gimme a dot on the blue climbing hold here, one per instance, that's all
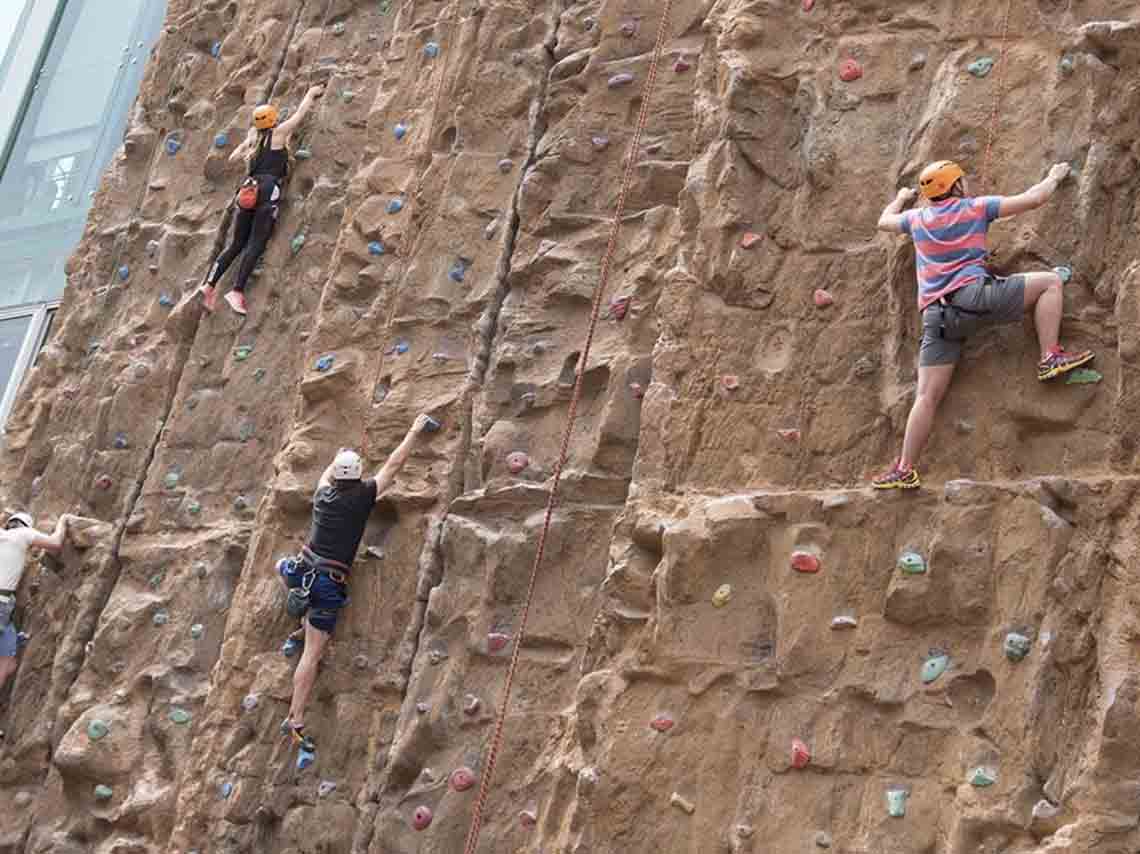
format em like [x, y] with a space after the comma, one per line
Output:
[325, 362]
[305, 758]
[221, 140]
[459, 269]
[124, 273]
[402, 348]
[120, 441]
[432, 425]
[400, 130]
[395, 206]
[375, 248]
[981, 67]
[934, 667]
[173, 144]
[216, 49]
[431, 50]
[292, 646]
[1064, 272]
[226, 789]
[165, 300]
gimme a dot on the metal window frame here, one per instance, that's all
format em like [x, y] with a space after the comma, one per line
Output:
[33, 340]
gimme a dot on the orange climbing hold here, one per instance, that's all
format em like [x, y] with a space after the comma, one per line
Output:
[850, 70]
[805, 562]
[801, 756]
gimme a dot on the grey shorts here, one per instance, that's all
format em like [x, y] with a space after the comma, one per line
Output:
[9, 637]
[991, 301]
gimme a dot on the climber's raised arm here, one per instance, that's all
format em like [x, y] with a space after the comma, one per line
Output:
[891, 219]
[1035, 196]
[287, 127]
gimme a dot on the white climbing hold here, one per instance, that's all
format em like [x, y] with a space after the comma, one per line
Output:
[684, 805]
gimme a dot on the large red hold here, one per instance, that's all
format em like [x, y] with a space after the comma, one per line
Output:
[497, 641]
[421, 818]
[801, 756]
[750, 239]
[661, 723]
[805, 562]
[850, 70]
[462, 779]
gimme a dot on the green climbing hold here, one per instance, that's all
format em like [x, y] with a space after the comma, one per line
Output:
[934, 667]
[981, 67]
[193, 508]
[297, 243]
[1064, 272]
[303, 153]
[179, 716]
[982, 777]
[157, 579]
[911, 563]
[197, 630]
[1068, 64]
[896, 802]
[103, 793]
[1084, 376]
[242, 353]
[97, 729]
[1016, 646]
[347, 95]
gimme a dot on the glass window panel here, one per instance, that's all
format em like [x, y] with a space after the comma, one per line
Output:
[45, 334]
[12, 332]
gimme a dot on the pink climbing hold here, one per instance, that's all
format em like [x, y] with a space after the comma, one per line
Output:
[850, 70]
[637, 390]
[801, 756]
[750, 239]
[731, 382]
[497, 641]
[528, 818]
[661, 723]
[517, 461]
[103, 482]
[462, 779]
[789, 435]
[805, 562]
[808, 4]
[619, 306]
[421, 818]
[822, 298]
[681, 65]
[629, 29]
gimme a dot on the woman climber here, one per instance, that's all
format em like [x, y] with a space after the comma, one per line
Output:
[259, 198]
[958, 296]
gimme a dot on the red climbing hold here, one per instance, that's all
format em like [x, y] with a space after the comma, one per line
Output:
[497, 641]
[805, 562]
[750, 239]
[681, 65]
[103, 482]
[808, 5]
[421, 818]
[517, 462]
[462, 779]
[661, 723]
[801, 756]
[822, 298]
[731, 382]
[789, 435]
[618, 307]
[850, 70]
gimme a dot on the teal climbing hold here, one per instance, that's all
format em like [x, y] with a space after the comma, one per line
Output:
[160, 618]
[297, 243]
[896, 802]
[193, 507]
[97, 729]
[124, 273]
[982, 777]
[347, 95]
[431, 50]
[197, 630]
[170, 480]
[324, 363]
[1067, 65]
[1064, 273]
[981, 67]
[400, 130]
[103, 792]
[305, 758]
[934, 667]
[911, 563]
[1083, 376]
[242, 353]
[303, 153]
[221, 140]
[246, 430]
[338, 28]
[165, 300]
[395, 206]
[1016, 646]
[375, 248]
[179, 716]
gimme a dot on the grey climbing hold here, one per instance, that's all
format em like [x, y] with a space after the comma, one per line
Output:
[982, 777]
[179, 716]
[165, 301]
[1067, 65]
[304, 153]
[97, 729]
[259, 375]
[225, 790]
[152, 248]
[491, 228]
[124, 273]
[1084, 376]
[197, 630]
[431, 50]
[471, 705]
[170, 480]
[400, 130]
[1016, 646]
[981, 67]
[160, 618]
[422, 708]
[297, 243]
[918, 60]
[1045, 810]
[246, 430]
[249, 702]
[221, 140]
[506, 165]
[173, 144]
[242, 353]
[347, 95]
[844, 621]
[216, 49]
[121, 441]
[911, 563]
[437, 656]
[623, 79]
[896, 802]
[103, 792]
[324, 363]
[375, 248]
[338, 28]
[200, 569]
[1064, 273]
[822, 840]
[934, 667]
[395, 206]
[241, 503]
[326, 788]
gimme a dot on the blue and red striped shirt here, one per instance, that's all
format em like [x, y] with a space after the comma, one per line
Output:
[950, 243]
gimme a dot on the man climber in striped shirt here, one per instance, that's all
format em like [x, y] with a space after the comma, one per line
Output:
[958, 296]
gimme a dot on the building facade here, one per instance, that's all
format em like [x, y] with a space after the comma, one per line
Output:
[69, 72]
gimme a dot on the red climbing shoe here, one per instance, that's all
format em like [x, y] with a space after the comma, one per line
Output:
[898, 478]
[1059, 362]
[209, 297]
[236, 299]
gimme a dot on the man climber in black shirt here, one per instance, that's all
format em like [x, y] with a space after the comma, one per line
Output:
[317, 578]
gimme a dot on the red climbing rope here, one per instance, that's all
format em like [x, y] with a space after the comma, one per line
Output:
[999, 96]
[599, 292]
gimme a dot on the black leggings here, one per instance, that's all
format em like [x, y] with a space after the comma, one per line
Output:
[252, 230]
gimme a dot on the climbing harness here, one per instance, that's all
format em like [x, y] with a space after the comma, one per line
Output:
[999, 94]
[571, 417]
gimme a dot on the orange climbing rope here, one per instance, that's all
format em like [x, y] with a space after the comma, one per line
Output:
[999, 96]
[599, 291]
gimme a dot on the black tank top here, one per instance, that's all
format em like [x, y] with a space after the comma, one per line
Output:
[266, 161]
[340, 515]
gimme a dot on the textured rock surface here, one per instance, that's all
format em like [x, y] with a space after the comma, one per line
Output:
[761, 176]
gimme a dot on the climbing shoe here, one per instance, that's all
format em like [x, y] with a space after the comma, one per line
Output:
[898, 478]
[297, 734]
[1059, 362]
[236, 299]
[293, 644]
[209, 297]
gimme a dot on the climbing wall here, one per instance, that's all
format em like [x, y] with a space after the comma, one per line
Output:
[733, 646]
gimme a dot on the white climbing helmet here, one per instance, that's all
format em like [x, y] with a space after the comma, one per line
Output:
[347, 465]
[24, 519]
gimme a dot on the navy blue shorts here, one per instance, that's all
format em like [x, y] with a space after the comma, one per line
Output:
[326, 597]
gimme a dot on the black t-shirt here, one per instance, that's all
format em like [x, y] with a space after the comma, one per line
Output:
[340, 514]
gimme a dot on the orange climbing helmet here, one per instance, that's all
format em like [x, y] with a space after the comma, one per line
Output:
[265, 117]
[939, 178]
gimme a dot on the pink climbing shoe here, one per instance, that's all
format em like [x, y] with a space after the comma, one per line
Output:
[209, 297]
[236, 299]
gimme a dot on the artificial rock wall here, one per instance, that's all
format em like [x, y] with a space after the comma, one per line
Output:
[727, 423]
